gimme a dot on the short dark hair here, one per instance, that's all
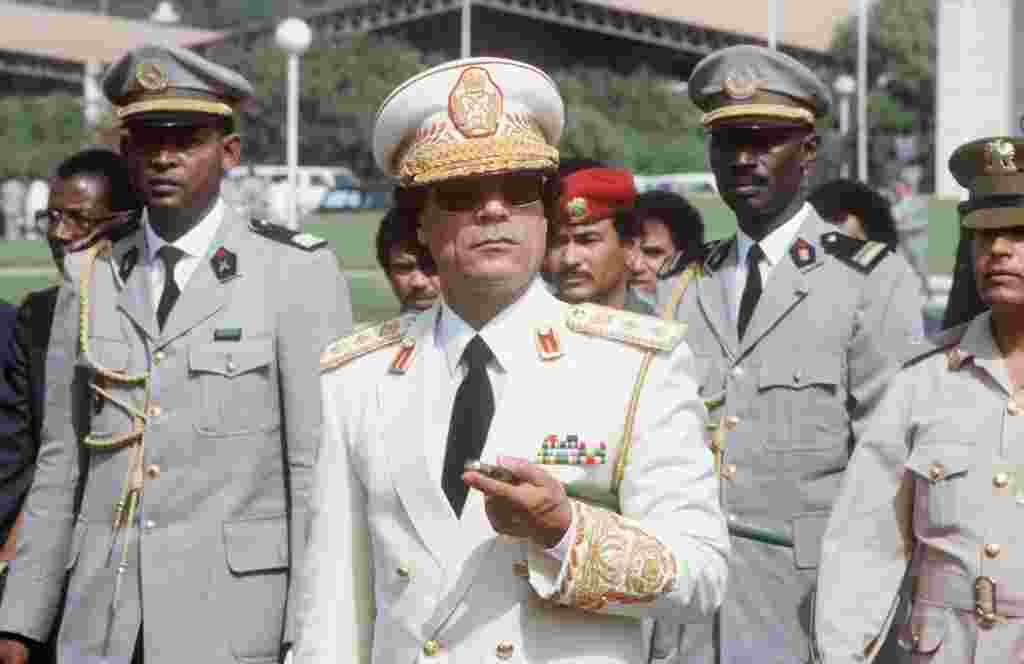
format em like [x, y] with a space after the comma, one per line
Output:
[102, 163]
[834, 200]
[682, 219]
[398, 229]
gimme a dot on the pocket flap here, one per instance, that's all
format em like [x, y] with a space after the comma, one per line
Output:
[935, 463]
[256, 545]
[808, 531]
[811, 370]
[232, 358]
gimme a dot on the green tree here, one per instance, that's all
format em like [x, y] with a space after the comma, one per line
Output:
[342, 87]
[901, 71]
[641, 121]
[39, 132]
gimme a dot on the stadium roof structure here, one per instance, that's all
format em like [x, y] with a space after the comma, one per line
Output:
[41, 42]
[669, 36]
[805, 24]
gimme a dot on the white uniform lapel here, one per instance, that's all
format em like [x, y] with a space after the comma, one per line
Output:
[402, 395]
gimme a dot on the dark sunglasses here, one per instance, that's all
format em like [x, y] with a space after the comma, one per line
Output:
[466, 195]
[50, 217]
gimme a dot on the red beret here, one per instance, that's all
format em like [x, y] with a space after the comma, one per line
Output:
[593, 194]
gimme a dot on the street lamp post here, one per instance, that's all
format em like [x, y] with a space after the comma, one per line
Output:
[293, 36]
[844, 85]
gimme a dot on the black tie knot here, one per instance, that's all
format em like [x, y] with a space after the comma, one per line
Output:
[754, 256]
[477, 354]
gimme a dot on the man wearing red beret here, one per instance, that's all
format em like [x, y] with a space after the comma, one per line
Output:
[592, 240]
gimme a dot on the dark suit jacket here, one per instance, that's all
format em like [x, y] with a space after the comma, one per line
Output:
[23, 341]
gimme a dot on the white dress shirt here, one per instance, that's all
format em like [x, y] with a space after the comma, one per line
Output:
[510, 346]
[194, 243]
[775, 245]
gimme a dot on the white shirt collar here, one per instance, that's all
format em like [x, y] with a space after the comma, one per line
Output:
[775, 244]
[509, 334]
[194, 243]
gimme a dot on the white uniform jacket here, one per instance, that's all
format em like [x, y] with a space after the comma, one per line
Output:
[391, 572]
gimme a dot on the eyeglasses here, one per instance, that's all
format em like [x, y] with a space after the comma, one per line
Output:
[50, 217]
[517, 189]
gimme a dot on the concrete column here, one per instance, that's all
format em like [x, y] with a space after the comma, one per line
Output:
[976, 91]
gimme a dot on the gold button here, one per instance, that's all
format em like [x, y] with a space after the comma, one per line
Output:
[504, 650]
[729, 471]
[521, 568]
[152, 471]
[155, 410]
[1001, 480]
[993, 550]
[431, 648]
[936, 471]
[403, 571]
[731, 421]
[159, 356]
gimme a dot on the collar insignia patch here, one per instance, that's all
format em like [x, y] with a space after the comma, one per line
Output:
[224, 263]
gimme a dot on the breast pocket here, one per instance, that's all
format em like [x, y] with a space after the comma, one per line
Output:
[940, 475]
[108, 417]
[237, 386]
[802, 402]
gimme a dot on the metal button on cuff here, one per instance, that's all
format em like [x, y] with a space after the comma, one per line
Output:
[159, 357]
[993, 550]
[1001, 480]
[152, 471]
[431, 648]
[936, 472]
[404, 571]
[155, 410]
[504, 650]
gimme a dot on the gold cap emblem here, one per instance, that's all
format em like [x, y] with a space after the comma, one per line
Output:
[475, 103]
[577, 208]
[740, 84]
[151, 77]
[999, 157]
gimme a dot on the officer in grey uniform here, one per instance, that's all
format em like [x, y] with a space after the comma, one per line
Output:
[796, 330]
[936, 484]
[191, 427]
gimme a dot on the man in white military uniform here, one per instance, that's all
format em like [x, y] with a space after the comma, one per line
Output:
[515, 571]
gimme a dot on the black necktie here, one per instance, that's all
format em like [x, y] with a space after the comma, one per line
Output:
[170, 255]
[752, 291]
[470, 421]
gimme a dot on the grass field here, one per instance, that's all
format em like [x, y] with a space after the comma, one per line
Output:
[25, 265]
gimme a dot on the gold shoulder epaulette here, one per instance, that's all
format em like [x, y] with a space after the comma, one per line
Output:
[344, 350]
[634, 329]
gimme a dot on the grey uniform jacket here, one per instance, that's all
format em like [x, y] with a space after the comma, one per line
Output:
[937, 485]
[233, 427]
[835, 320]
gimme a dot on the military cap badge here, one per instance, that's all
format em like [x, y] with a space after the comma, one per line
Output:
[577, 208]
[151, 77]
[999, 157]
[475, 103]
[740, 84]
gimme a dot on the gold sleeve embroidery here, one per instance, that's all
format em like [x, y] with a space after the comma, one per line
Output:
[614, 561]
